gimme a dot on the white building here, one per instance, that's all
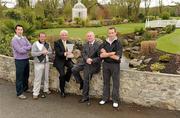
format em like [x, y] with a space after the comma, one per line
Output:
[79, 11]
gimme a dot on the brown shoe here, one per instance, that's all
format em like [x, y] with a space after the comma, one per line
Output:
[35, 97]
[48, 92]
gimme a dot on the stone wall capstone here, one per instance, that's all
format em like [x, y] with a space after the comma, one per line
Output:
[142, 88]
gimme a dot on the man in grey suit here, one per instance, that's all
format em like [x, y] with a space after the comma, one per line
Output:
[90, 64]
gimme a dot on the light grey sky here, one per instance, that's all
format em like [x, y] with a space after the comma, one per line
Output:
[153, 3]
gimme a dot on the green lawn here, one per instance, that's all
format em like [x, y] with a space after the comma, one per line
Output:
[170, 42]
[101, 31]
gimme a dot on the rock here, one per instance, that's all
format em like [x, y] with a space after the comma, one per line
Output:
[178, 70]
[127, 49]
[138, 37]
[125, 42]
[135, 52]
[125, 21]
[136, 48]
[146, 61]
[130, 40]
[135, 63]
[142, 57]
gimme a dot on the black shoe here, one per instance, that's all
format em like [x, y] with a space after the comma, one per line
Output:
[83, 100]
[43, 95]
[63, 94]
[81, 85]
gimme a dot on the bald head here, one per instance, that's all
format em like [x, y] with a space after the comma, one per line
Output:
[90, 37]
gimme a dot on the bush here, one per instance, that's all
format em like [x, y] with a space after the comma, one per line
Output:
[153, 33]
[77, 20]
[147, 35]
[148, 47]
[15, 14]
[38, 25]
[151, 17]
[60, 20]
[139, 31]
[157, 67]
[169, 28]
[165, 15]
[141, 17]
[5, 44]
[8, 27]
[28, 15]
[165, 58]
[20, 14]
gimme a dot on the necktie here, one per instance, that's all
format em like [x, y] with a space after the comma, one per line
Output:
[64, 43]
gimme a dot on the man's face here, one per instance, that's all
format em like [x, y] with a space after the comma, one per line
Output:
[112, 33]
[19, 31]
[42, 37]
[90, 37]
[64, 36]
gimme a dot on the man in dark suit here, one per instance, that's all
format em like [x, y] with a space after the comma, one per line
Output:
[90, 64]
[61, 60]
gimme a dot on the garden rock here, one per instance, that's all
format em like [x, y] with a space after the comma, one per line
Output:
[146, 61]
[135, 63]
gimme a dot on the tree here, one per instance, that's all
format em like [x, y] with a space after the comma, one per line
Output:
[147, 3]
[23, 3]
[50, 8]
[131, 6]
[160, 6]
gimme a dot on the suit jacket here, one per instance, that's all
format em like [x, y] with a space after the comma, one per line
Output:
[60, 59]
[94, 55]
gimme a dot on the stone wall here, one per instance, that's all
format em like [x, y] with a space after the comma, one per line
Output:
[142, 88]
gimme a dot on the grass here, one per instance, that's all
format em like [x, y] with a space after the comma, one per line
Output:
[100, 31]
[170, 42]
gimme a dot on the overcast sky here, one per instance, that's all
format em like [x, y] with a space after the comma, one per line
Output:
[153, 3]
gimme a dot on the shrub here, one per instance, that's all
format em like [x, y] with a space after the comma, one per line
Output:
[148, 47]
[38, 25]
[28, 15]
[165, 15]
[141, 17]
[157, 67]
[77, 20]
[147, 35]
[5, 44]
[142, 67]
[153, 33]
[13, 14]
[60, 20]
[165, 58]
[169, 28]
[139, 31]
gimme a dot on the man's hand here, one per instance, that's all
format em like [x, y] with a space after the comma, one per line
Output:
[45, 52]
[115, 57]
[89, 61]
[102, 50]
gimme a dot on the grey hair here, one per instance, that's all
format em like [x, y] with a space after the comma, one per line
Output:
[63, 31]
[91, 32]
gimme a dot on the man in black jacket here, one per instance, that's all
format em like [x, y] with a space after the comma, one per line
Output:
[90, 65]
[61, 60]
[111, 52]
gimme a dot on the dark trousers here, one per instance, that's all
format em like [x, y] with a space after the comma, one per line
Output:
[88, 71]
[64, 76]
[22, 75]
[111, 70]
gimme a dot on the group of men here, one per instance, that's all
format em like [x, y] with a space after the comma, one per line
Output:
[93, 53]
